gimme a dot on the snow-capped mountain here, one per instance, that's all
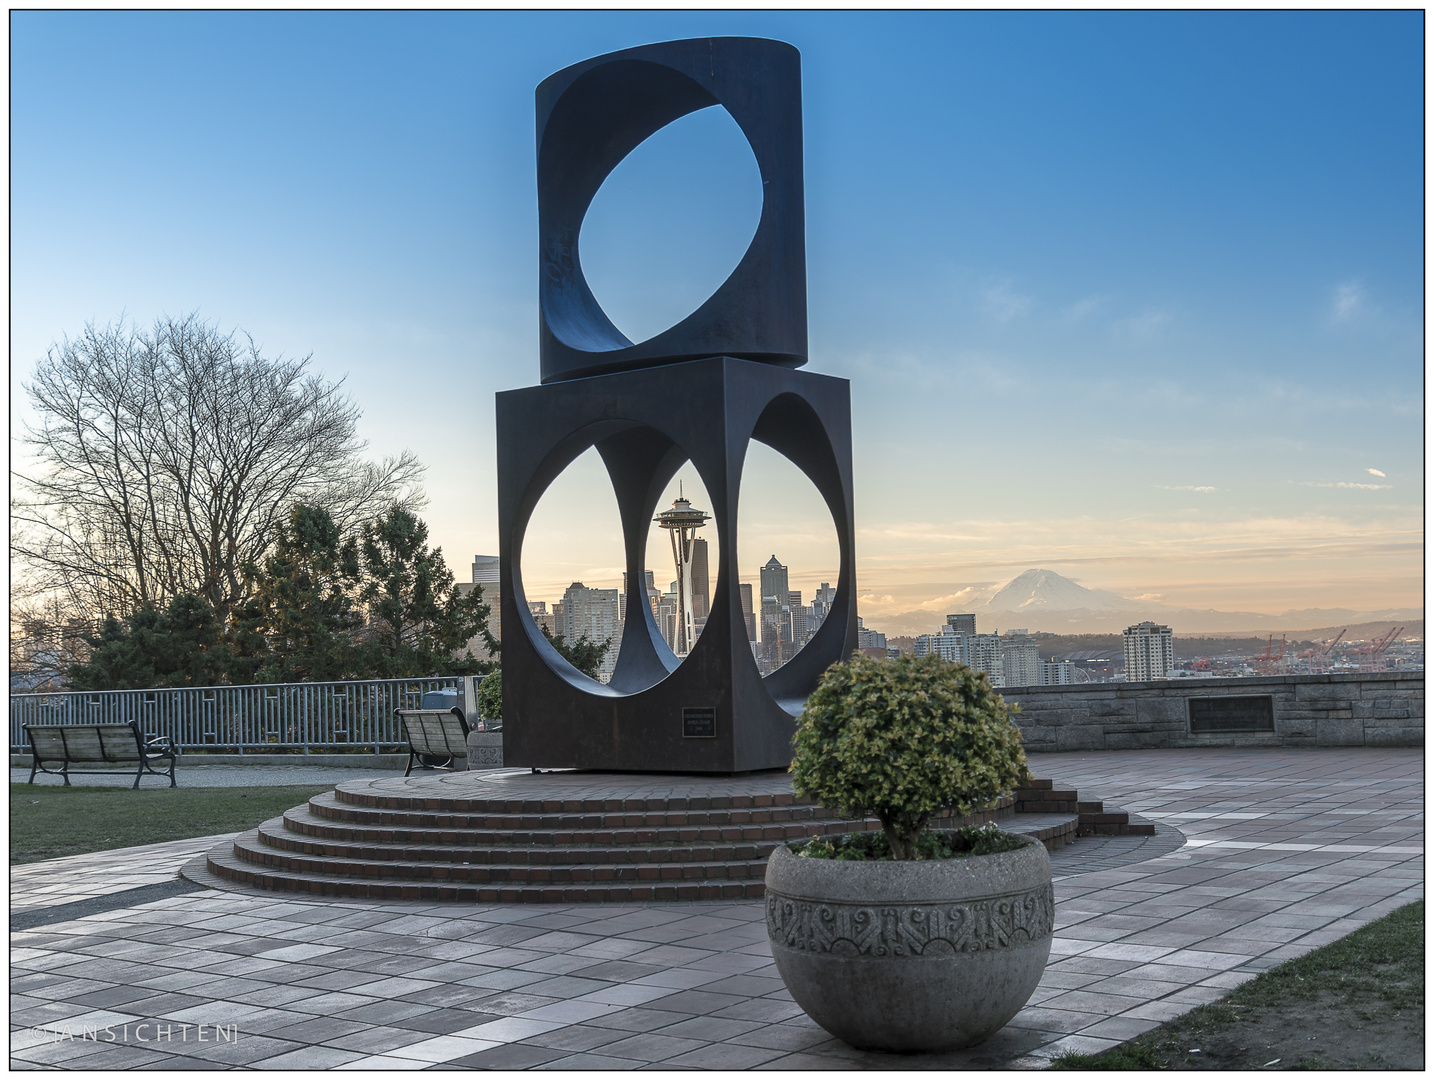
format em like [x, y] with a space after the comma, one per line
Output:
[1045, 590]
[1043, 600]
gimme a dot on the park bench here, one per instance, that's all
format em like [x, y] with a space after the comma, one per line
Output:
[434, 733]
[96, 744]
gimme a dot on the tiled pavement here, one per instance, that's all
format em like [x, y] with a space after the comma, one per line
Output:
[83, 877]
[1287, 850]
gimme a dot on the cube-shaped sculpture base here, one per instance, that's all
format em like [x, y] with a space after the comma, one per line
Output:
[712, 712]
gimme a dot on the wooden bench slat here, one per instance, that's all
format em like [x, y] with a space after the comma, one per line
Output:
[83, 744]
[48, 743]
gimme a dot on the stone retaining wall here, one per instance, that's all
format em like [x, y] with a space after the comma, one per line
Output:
[1371, 709]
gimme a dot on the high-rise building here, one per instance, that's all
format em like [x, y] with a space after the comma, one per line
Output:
[541, 615]
[776, 620]
[591, 613]
[801, 629]
[947, 645]
[774, 580]
[485, 573]
[821, 605]
[652, 595]
[961, 624]
[1020, 659]
[984, 654]
[749, 616]
[1149, 652]
[868, 639]
[1057, 672]
[665, 614]
[701, 582]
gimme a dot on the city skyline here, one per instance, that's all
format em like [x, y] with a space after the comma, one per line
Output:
[1136, 297]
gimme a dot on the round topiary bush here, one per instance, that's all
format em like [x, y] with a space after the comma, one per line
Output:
[904, 738]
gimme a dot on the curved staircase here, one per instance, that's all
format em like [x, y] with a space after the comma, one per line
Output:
[512, 836]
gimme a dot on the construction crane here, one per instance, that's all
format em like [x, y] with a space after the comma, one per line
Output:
[1324, 653]
[1371, 657]
[1270, 662]
[1316, 660]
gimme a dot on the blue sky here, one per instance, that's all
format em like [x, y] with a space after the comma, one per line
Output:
[1136, 297]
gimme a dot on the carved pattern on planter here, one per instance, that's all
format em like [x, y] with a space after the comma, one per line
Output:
[911, 929]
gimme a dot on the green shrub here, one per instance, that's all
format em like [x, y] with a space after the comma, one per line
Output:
[902, 739]
[488, 698]
[966, 841]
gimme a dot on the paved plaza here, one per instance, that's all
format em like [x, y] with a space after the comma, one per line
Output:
[1259, 856]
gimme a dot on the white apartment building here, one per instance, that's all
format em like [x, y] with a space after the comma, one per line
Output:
[1149, 652]
[1020, 659]
[985, 652]
[1057, 672]
[594, 613]
[946, 645]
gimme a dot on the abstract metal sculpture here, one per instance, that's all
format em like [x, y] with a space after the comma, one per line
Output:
[699, 391]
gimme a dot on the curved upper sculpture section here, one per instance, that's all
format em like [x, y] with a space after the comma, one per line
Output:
[590, 117]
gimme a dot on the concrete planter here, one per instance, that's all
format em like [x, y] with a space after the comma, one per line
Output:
[485, 749]
[905, 956]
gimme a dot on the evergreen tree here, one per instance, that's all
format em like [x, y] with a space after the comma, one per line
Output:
[299, 625]
[181, 644]
[418, 620]
[583, 654]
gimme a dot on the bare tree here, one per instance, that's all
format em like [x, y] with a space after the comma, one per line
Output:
[165, 460]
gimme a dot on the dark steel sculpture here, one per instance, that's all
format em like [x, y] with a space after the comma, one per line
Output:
[699, 391]
[590, 117]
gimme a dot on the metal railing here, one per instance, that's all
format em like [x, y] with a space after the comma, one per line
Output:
[263, 718]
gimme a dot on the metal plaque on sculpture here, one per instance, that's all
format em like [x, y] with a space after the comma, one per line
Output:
[1248, 712]
[699, 723]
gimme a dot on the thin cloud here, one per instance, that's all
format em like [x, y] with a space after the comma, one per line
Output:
[1003, 303]
[1083, 307]
[1346, 484]
[1374, 472]
[1348, 301]
[1143, 327]
[1186, 487]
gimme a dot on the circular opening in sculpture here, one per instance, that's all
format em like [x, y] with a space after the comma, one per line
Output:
[788, 556]
[571, 566]
[671, 223]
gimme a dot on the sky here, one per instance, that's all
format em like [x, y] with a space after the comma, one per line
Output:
[1134, 297]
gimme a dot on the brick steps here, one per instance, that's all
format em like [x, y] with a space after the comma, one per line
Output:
[384, 840]
[237, 870]
[565, 827]
[1041, 796]
[253, 848]
[293, 832]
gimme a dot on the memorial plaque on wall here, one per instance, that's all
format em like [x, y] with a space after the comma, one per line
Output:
[699, 723]
[1248, 712]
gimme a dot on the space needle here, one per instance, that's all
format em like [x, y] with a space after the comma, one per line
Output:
[682, 522]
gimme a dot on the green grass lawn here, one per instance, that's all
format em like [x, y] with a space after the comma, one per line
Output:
[50, 820]
[1356, 1003]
